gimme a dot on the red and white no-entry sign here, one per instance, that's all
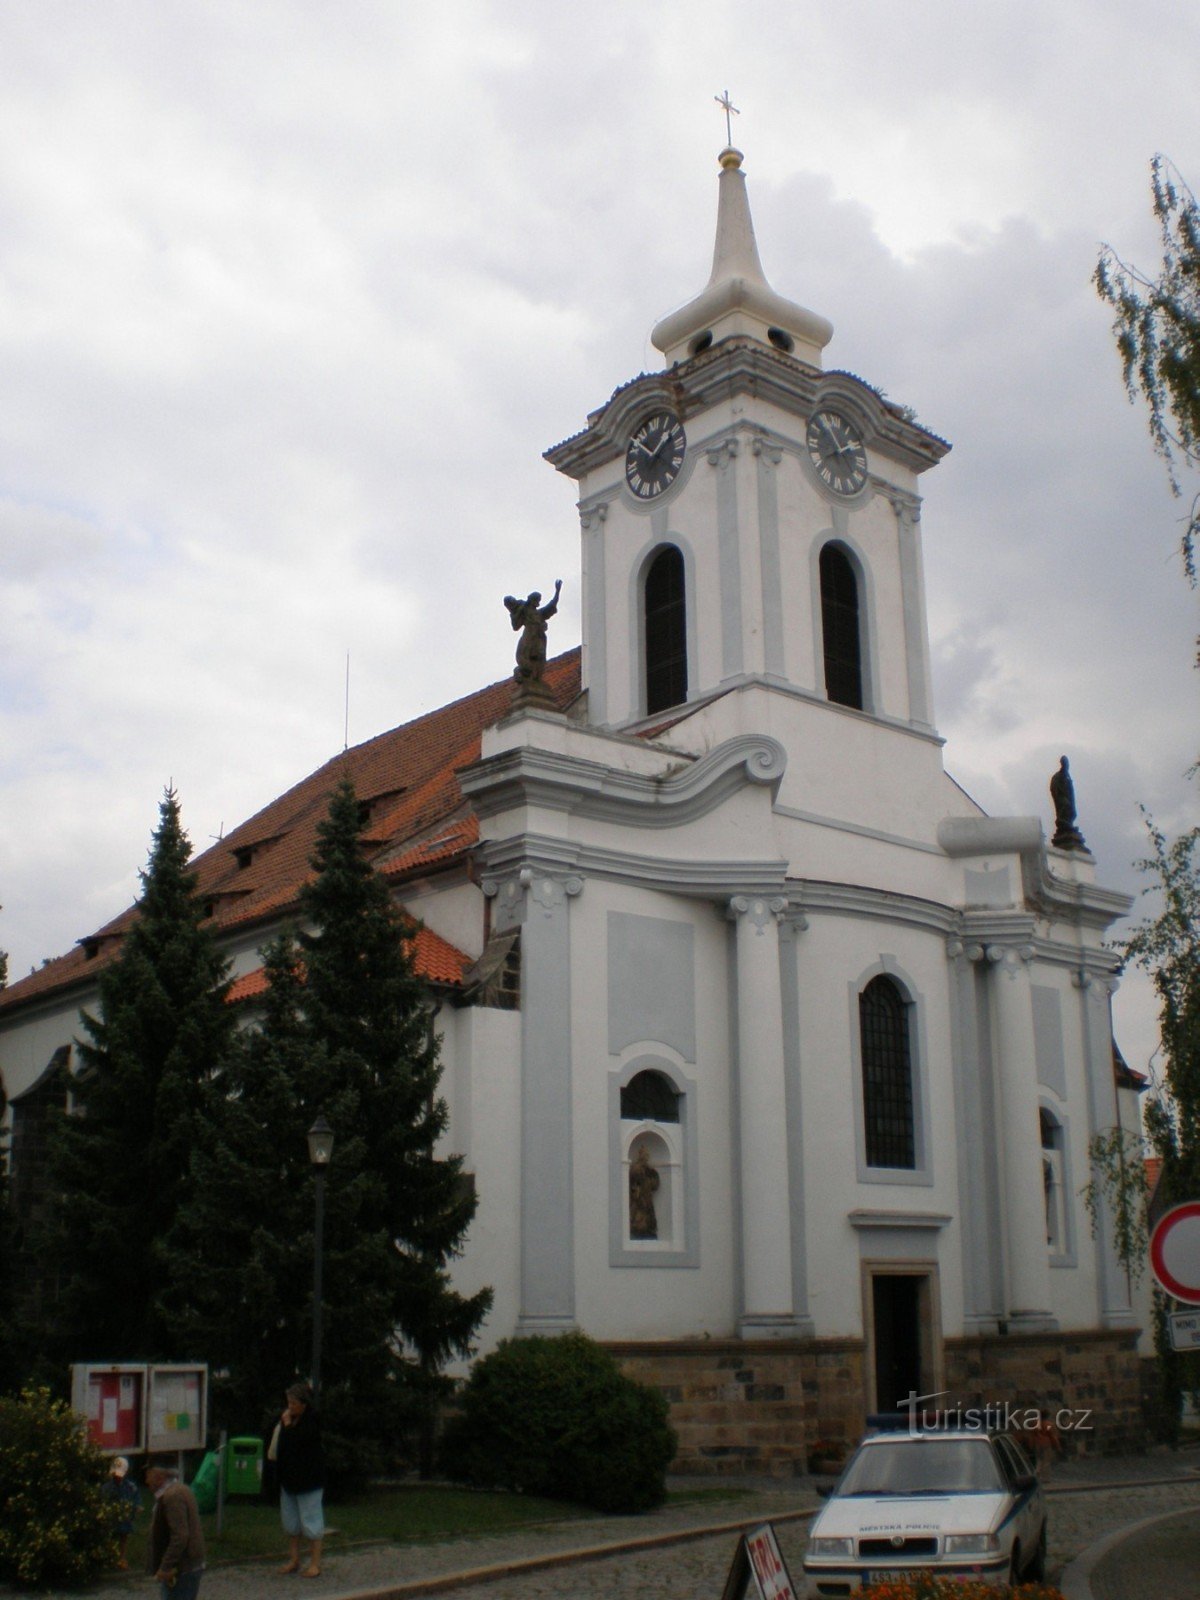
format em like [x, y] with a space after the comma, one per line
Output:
[1175, 1251]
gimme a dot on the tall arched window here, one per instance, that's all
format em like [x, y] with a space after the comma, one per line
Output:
[887, 1076]
[841, 633]
[666, 631]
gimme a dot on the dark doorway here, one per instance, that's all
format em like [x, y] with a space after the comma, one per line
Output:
[896, 1309]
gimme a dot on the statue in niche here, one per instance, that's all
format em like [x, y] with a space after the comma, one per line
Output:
[643, 1182]
[531, 616]
[1062, 791]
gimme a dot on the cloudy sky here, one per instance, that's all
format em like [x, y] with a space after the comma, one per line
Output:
[294, 294]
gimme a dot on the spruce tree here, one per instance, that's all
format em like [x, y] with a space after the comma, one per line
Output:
[346, 1032]
[119, 1161]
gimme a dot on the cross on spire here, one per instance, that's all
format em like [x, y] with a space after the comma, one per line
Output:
[730, 110]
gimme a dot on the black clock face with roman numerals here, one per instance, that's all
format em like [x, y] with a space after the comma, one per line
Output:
[837, 452]
[655, 454]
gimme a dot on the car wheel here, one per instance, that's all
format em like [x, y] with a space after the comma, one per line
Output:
[1037, 1567]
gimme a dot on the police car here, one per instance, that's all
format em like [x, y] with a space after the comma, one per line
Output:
[965, 1504]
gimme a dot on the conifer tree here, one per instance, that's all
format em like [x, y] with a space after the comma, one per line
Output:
[119, 1162]
[346, 1032]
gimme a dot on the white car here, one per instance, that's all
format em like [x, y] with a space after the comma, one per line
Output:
[965, 1504]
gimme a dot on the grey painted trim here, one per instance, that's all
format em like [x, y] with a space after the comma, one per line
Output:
[704, 880]
[743, 365]
[793, 1085]
[595, 610]
[1069, 1255]
[976, 1199]
[767, 459]
[1048, 1038]
[547, 1225]
[922, 1172]
[651, 982]
[660, 538]
[867, 645]
[840, 826]
[758, 680]
[912, 595]
[738, 1255]
[862, 1218]
[1095, 1012]
[723, 459]
[531, 776]
[621, 1252]
[989, 836]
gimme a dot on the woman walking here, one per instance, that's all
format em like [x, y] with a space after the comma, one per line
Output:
[300, 1465]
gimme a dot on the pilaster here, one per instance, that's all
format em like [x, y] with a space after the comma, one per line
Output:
[767, 458]
[722, 458]
[767, 1304]
[1095, 998]
[1027, 1265]
[539, 903]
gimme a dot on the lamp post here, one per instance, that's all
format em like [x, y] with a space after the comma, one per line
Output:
[320, 1149]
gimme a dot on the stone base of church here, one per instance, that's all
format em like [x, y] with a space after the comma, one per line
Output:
[1094, 1372]
[742, 1405]
[759, 1406]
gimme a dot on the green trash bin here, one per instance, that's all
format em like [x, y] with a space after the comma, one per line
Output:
[244, 1465]
[204, 1484]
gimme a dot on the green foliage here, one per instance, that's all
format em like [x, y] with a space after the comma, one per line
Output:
[346, 1031]
[558, 1417]
[54, 1526]
[119, 1168]
[1118, 1185]
[1157, 328]
[1167, 947]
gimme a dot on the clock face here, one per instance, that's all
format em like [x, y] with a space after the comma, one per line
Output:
[655, 454]
[837, 452]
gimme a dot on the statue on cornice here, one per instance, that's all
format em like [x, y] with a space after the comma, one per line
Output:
[531, 616]
[1062, 791]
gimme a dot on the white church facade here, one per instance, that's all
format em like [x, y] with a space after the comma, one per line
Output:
[774, 1060]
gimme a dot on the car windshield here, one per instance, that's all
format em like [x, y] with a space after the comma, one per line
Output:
[923, 1466]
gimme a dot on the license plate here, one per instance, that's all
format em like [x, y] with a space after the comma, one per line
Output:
[888, 1574]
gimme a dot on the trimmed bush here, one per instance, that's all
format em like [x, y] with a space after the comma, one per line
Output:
[558, 1417]
[54, 1526]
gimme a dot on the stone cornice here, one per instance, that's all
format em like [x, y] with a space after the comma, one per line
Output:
[717, 881]
[560, 782]
[1086, 905]
[741, 365]
[898, 1219]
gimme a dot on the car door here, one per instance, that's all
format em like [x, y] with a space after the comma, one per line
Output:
[1031, 1510]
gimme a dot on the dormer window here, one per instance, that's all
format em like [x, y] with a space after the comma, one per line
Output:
[91, 948]
[244, 857]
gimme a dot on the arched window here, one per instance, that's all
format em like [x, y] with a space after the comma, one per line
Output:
[666, 631]
[841, 633]
[887, 1076]
[649, 1097]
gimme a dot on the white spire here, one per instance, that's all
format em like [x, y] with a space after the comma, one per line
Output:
[738, 298]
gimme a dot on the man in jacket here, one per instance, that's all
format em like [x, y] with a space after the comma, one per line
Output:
[176, 1554]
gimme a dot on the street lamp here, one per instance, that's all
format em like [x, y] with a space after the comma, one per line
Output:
[320, 1150]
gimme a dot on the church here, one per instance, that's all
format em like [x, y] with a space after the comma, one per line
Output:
[773, 1060]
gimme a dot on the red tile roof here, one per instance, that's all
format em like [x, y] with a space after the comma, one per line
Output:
[420, 823]
[434, 958]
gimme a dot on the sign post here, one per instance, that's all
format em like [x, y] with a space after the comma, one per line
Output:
[1175, 1252]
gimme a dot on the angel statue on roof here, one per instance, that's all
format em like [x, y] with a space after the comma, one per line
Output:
[531, 616]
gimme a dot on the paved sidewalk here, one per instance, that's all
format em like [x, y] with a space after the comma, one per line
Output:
[683, 1552]
[1157, 1558]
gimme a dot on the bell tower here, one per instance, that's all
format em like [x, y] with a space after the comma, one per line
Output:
[748, 517]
